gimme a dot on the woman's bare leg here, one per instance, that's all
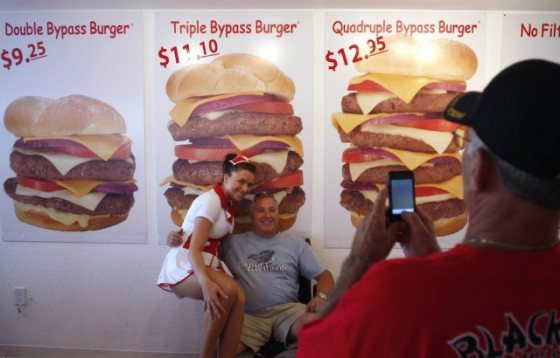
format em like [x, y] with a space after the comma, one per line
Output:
[229, 323]
[229, 328]
[231, 332]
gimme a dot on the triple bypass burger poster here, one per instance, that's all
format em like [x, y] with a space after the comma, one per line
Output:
[74, 92]
[234, 82]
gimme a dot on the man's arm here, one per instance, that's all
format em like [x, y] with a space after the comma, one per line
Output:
[373, 242]
[325, 283]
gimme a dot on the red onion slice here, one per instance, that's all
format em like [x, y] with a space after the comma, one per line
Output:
[447, 86]
[406, 117]
[45, 144]
[214, 142]
[226, 103]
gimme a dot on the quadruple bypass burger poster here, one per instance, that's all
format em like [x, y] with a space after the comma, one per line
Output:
[114, 122]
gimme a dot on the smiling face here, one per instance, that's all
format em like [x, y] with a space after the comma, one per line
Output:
[265, 217]
[238, 184]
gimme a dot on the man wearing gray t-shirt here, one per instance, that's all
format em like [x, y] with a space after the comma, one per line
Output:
[267, 264]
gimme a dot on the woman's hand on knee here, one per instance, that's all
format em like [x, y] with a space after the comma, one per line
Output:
[213, 295]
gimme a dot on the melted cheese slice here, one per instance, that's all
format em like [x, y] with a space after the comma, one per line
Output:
[104, 146]
[454, 186]
[172, 179]
[413, 160]
[368, 100]
[64, 218]
[276, 159]
[243, 141]
[356, 169]
[189, 190]
[82, 187]
[404, 87]
[348, 121]
[182, 111]
[439, 141]
[89, 201]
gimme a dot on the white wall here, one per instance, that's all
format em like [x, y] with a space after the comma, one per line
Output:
[104, 296]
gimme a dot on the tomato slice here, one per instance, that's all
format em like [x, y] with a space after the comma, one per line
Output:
[359, 155]
[267, 107]
[38, 184]
[439, 125]
[367, 86]
[123, 152]
[428, 190]
[286, 181]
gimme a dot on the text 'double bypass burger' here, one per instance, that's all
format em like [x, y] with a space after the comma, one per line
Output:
[238, 103]
[393, 119]
[74, 168]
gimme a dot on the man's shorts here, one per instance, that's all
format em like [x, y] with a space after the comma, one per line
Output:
[270, 322]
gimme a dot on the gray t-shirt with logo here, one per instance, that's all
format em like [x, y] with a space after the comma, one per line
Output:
[268, 269]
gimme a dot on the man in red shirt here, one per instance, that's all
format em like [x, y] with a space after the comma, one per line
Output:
[497, 293]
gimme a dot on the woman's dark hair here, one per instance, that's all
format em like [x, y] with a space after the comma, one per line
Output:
[235, 163]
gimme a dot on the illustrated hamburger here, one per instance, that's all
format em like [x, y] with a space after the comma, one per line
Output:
[238, 103]
[74, 168]
[393, 119]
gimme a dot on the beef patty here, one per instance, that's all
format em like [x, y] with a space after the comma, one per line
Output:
[237, 122]
[112, 204]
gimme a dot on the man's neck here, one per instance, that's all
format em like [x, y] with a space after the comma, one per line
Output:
[511, 221]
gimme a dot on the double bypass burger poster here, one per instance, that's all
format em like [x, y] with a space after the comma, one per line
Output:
[87, 97]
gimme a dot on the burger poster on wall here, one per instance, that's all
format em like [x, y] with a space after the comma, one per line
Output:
[233, 82]
[72, 131]
[388, 78]
[531, 35]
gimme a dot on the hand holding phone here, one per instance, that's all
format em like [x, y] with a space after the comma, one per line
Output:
[401, 193]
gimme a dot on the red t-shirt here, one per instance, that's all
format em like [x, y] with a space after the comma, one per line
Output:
[466, 302]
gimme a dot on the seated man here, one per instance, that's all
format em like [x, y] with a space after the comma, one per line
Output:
[267, 265]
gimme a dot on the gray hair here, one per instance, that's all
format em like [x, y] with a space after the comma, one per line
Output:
[543, 192]
[262, 195]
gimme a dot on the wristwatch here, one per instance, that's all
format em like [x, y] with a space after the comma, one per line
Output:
[322, 296]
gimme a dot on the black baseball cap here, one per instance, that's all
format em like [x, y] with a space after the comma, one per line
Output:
[517, 116]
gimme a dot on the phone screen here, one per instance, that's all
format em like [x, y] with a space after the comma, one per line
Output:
[401, 193]
[402, 196]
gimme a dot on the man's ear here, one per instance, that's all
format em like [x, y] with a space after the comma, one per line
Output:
[484, 171]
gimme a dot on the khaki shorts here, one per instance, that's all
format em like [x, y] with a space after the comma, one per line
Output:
[270, 322]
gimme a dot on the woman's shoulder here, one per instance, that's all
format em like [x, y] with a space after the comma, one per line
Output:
[208, 197]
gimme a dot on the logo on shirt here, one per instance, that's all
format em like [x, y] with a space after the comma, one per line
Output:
[264, 261]
[538, 337]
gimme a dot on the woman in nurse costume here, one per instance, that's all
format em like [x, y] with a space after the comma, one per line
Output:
[194, 270]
